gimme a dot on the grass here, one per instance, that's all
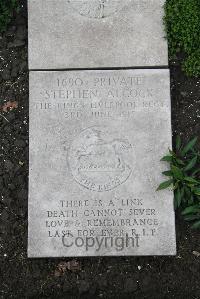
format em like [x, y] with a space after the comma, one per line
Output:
[182, 26]
[7, 10]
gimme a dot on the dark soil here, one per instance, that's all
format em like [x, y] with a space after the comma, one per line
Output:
[20, 277]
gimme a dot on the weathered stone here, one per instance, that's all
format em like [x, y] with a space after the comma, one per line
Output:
[96, 138]
[96, 33]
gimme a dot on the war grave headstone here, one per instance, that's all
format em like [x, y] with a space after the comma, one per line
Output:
[96, 136]
[67, 34]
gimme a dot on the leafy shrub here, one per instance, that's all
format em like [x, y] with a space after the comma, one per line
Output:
[7, 8]
[184, 177]
[182, 25]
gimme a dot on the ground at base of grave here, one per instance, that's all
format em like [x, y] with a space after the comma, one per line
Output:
[126, 277]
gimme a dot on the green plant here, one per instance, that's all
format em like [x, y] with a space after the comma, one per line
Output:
[184, 177]
[7, 8]
[182, 26]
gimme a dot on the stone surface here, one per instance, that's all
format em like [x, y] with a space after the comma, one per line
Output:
[96, 138]
[96, 33]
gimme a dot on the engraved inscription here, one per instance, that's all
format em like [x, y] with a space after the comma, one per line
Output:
[95, 145]
[97, 8]
[100, 159]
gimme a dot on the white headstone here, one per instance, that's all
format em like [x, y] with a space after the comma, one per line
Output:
[96, 138]
[67, 34]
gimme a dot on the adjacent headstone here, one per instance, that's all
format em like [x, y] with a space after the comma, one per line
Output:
[67, 34]
[96, 138]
